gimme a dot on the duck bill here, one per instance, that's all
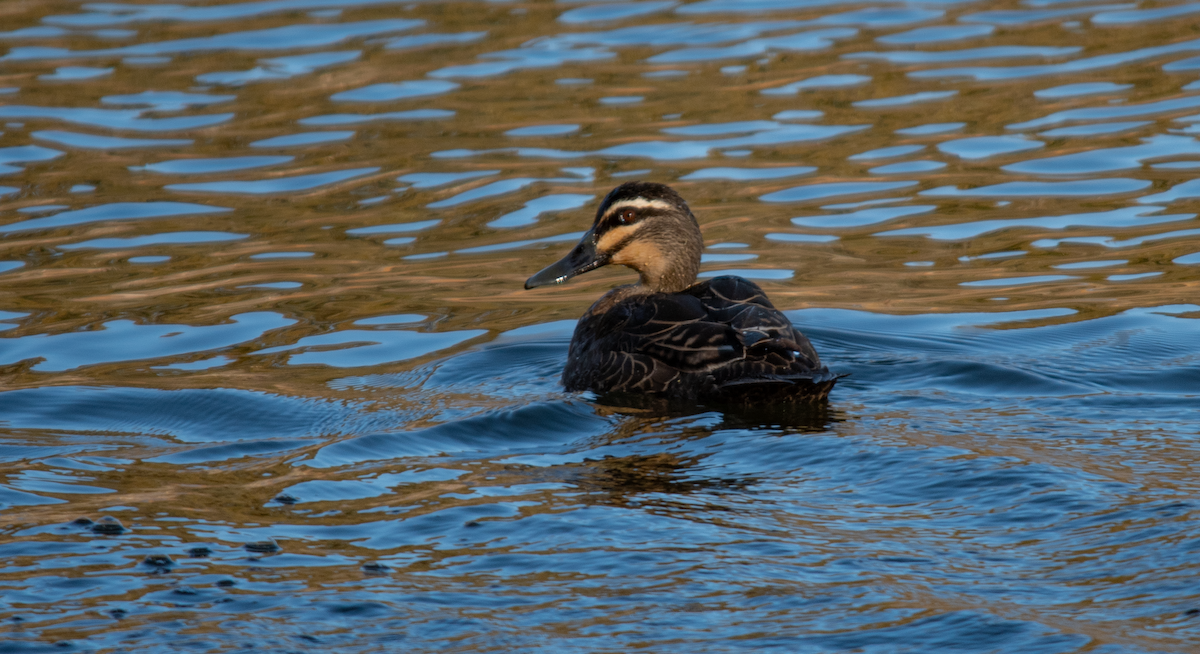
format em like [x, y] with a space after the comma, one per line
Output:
[582, 258]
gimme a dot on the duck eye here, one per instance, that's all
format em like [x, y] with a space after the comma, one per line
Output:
[627, 216]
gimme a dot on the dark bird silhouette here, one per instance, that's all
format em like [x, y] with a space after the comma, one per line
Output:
[719, 340]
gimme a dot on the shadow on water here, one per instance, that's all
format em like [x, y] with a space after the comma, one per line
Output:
[784, 416]
[671, 444]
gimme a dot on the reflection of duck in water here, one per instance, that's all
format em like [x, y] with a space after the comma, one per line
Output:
[718, 340]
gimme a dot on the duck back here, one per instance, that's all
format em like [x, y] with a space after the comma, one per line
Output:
[719, 340]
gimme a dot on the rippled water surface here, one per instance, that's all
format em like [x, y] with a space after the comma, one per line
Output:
[270, 379]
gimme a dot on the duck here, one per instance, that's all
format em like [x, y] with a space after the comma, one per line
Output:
[670, 336]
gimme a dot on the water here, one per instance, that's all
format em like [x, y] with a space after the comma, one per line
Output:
[270, 378]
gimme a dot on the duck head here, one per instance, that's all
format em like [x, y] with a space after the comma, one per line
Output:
[642, 225]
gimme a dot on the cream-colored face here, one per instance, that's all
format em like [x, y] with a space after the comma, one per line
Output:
[620, 240]
[612, 238]
[618, 232]
[644, 257]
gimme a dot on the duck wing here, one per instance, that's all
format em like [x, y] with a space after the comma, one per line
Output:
[765, 333]
[719, 338]
[645, 344]
[774, 352]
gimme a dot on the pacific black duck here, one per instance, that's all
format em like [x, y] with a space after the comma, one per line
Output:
[718, 340]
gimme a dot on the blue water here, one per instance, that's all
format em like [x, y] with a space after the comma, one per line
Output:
[270, 379]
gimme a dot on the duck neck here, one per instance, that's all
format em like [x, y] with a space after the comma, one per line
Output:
[677, 264]
[670, 278]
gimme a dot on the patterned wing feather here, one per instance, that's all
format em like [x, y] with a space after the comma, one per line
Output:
[722, 337]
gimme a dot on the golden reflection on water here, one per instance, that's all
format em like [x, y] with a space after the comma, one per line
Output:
[354, 277]
[351, 277]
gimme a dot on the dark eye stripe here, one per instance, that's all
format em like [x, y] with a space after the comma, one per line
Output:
[624, 214]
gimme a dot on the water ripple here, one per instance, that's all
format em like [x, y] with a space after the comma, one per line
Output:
[314, 408]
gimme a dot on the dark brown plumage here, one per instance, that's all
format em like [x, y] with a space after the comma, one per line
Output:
[718, 340]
